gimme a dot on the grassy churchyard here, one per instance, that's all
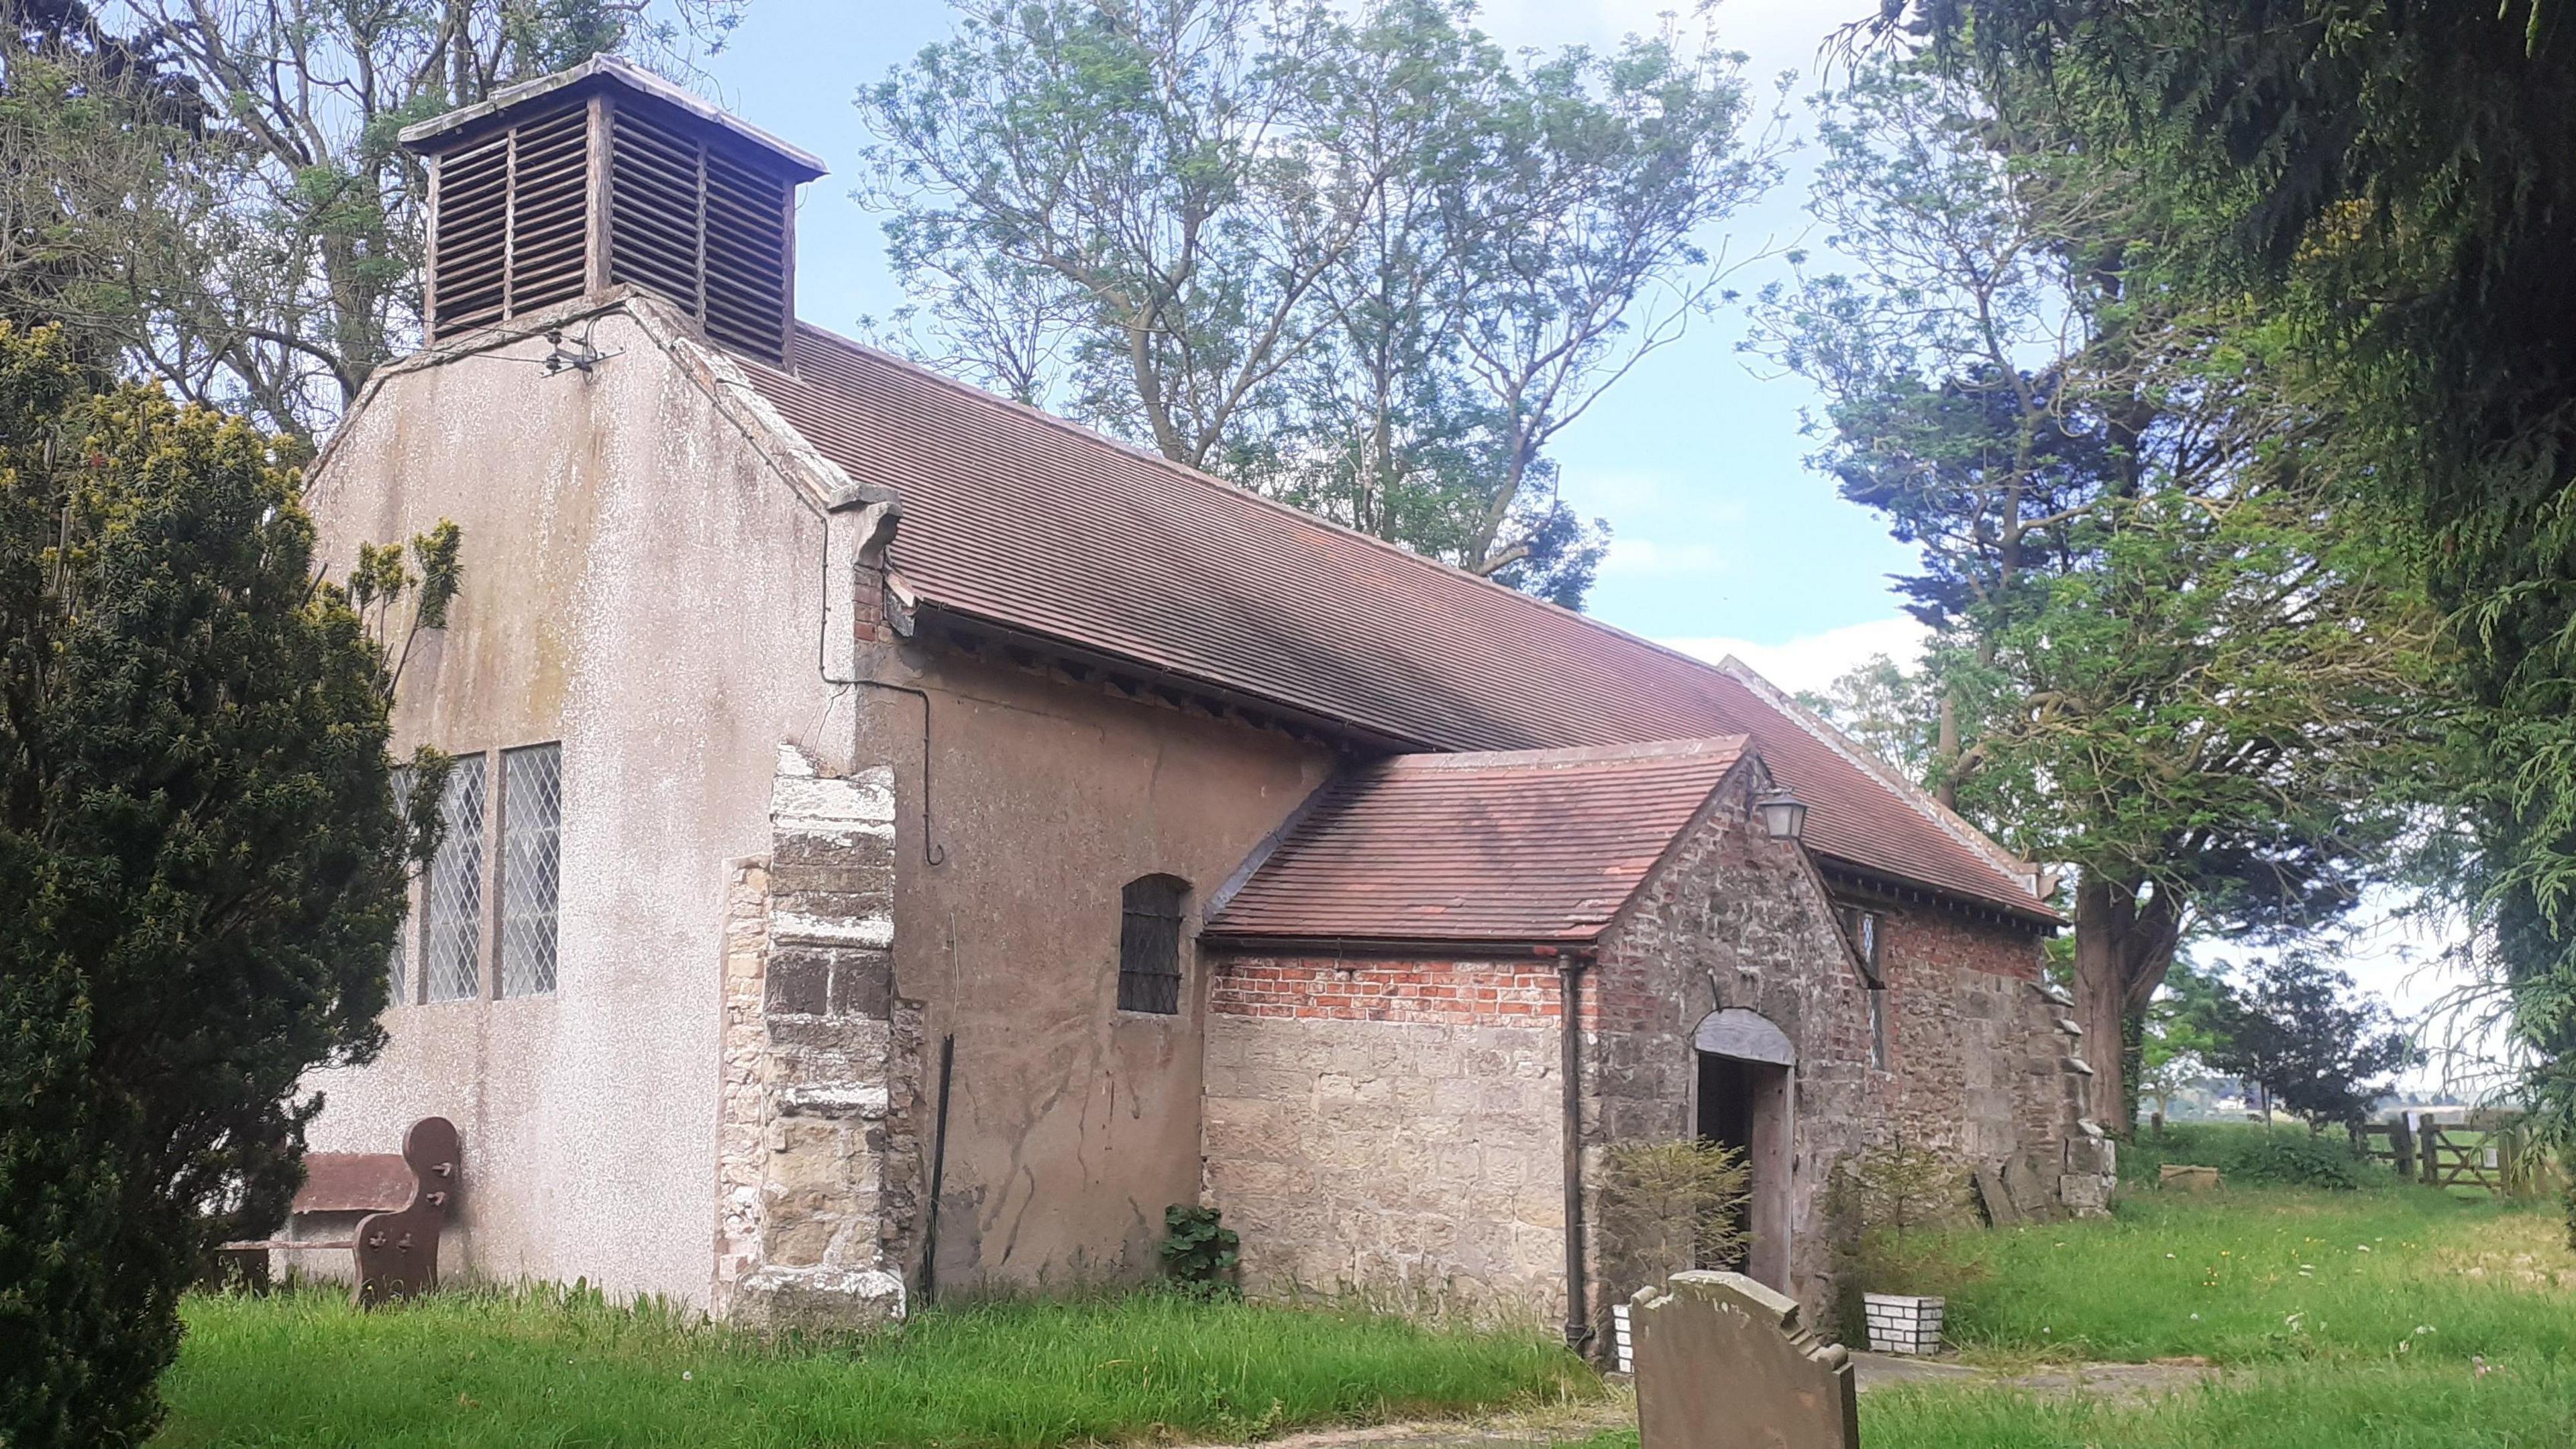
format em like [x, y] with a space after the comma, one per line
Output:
[2385, 1315]
[481, 1370]
[2382, 1317]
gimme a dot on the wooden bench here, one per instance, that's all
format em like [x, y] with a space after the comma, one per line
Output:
[400, 1202]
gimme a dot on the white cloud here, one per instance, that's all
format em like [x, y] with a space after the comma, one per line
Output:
[1618, 491]
[1637, 557]
[1815, 660]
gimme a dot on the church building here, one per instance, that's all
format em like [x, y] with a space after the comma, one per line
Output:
[902, 842]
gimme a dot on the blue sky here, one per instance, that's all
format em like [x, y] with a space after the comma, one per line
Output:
[1724, 541]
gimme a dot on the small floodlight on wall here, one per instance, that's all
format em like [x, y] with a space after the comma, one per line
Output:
[1783, 815]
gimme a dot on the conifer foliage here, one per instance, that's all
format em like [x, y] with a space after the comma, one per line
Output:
[202, 861]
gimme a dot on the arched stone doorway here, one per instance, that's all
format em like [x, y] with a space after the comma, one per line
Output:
[1745, 1065]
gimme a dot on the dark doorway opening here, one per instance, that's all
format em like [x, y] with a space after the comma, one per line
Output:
[1743, 1106]
[1726, 1118]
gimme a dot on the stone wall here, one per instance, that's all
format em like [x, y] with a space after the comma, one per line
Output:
[1392, 1130]
[1395, 1126]
[1988, 1060]
[1731, 920]
[818, 1155]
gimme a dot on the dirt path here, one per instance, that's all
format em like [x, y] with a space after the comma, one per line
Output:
[2127, 1382]
[2119, 1381]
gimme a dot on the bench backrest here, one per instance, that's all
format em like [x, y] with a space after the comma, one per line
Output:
[354, 1182]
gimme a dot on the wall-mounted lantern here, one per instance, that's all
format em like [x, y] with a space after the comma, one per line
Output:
[1784, 815]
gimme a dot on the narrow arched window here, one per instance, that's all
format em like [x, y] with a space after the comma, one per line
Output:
[1149, 944]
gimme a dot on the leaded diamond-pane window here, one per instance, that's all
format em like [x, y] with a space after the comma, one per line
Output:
[398, 979]
[1149, 945]
[531, 822]
[452, 928]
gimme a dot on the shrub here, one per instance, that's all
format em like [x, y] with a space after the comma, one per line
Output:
[1900, 1187]
[2255, 1156]
[1200, 1252]
[1667, 1206]
[201, 861]
[1879, 1207]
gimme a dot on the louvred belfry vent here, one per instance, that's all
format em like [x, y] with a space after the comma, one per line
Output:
[604, 176]
[703, 229]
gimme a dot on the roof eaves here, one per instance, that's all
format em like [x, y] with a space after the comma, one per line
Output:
[2020, 874]
[1350, 733]
[1392, 945]
[1574, 755]
[1878, 879]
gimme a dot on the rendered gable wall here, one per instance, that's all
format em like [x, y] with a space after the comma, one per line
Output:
[642, 585]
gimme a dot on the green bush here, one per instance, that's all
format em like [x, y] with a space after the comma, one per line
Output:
[1880, 1204]
[1200, 1252]
[2253, 1155]
[1671, 1205]
[201, 871]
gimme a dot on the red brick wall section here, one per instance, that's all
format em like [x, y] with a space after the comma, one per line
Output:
[1460, 993]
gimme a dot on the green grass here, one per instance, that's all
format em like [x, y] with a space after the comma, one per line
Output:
[2312, 1303]
[2305, 1406]
[2261, 1275]
[2357, 1318]
[492, 1369]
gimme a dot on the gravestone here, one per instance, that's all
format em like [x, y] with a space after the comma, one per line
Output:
[1723, 1363]
[1994, 1199]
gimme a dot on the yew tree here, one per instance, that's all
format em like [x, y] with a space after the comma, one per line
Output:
[2159, 656]
[202, 861]
[2306, 1038]
[2396, 183]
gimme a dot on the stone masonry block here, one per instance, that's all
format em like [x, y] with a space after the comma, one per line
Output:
[862, 984]
[800, 982]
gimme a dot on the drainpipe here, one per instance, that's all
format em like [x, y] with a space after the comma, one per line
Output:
[1569, 997]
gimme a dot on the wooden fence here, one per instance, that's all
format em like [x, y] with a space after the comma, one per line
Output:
[2481, 1152]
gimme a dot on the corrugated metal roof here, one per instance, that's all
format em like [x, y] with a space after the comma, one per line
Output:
[1520, 846]
[1028, 521]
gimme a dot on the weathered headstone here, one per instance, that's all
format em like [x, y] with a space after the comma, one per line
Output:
[1723, 1363]
[2030, 1180]
[1994, 1199]
[2187, 1178]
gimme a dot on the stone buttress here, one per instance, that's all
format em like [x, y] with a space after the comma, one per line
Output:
[817, 1151]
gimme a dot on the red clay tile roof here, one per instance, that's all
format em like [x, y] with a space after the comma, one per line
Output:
[1493, 847]
[1026, 521]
